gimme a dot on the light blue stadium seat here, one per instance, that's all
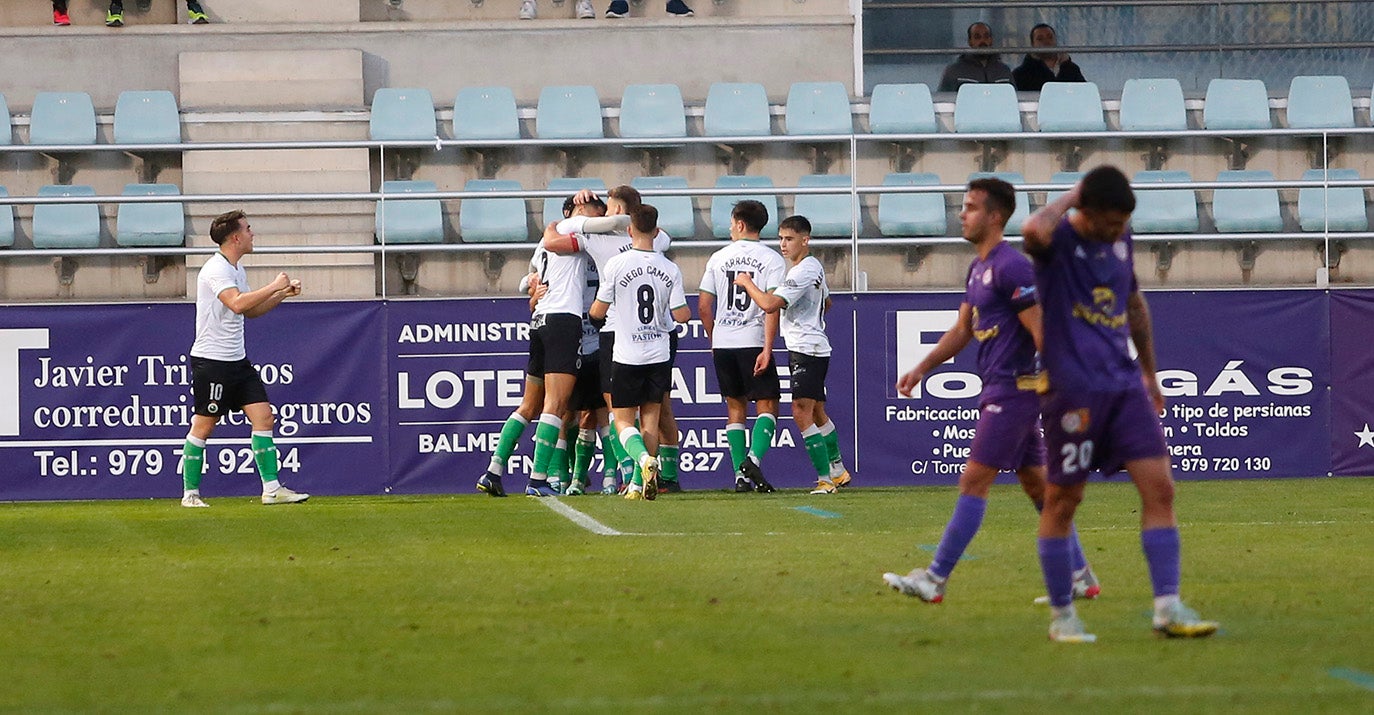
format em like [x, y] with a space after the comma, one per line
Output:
[149, 117]
[6, 133]
[737, 110]
[1164, 210]
[485, 113]
[160, 224]
[829, 214]
[986, 108]
[66, 225]
[553, 208]
[1344, 205]
[402, 114]
[1062, 177]
[652, 110]
[1320, 103]
[420, 221]
[901, 109]
[1152, 105]
[62, 118]
[818, 108]
[722, 205]
[1246, 210]
[568, 112]
[493, 220]
[912, 214]
[6, 222]
[1236, 104]
[1070, 107]
[675, 213]
[1022, 211]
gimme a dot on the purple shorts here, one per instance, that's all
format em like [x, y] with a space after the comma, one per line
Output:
[1099, 431]
[1008, 436]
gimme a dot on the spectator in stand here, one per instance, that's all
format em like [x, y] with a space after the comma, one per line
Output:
[1044, 67]
[59, 13]
[976, 67]
[529, 9]
[195, 15]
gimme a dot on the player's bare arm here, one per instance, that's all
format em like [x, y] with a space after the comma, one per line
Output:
[599, 308]
[771, 323]
[682, 314]
[1038, 229]
[769, 302]
[1032, 320]
[706, 311]
[1142, 334]
[948, 346]
[245, 303]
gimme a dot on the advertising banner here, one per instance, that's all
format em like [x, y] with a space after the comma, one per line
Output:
[1352, 383]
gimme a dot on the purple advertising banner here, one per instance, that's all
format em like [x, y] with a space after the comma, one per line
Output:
[97, 401]
[1352, 378]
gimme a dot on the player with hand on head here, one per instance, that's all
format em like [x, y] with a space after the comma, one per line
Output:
[804, 299]
[1101, 409]
[1000, 311]
[222, 378]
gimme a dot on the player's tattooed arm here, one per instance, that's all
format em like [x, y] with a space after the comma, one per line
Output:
[948, 346]
[1038, 229]
[1142, 334]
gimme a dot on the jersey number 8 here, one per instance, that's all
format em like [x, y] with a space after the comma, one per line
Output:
[644, 296]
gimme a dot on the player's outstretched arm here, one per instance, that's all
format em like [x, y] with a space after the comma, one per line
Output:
[769, 302]
[1038, 230]
[1143, 335]
[948, 346]
[555, 242]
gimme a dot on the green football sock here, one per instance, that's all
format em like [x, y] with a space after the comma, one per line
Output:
[734, 434]
[634, 446]
[817, 451]
[832, 441]
[265, 454]
[510, 436]
[608, 459]
[558, 461]
[545, 442]
[667, 462]
[192, 462]
[765, 425]
[583, 450]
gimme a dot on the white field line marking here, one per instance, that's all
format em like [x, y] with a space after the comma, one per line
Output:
[577, 517]
[1200, 524]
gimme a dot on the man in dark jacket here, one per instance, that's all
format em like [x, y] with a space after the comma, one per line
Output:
[976, 68]
[1040, 68]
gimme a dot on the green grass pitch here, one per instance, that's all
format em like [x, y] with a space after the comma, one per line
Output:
[703, 602]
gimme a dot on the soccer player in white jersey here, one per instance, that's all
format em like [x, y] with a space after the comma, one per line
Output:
[804, 299]
[646, 289]
[222, 378]
[742, 337]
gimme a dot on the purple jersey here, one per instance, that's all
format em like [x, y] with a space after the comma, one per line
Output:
[1083, 289]
[998, 289]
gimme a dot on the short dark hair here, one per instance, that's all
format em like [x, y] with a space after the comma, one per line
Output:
[1107, 189]
[797, 223]
[570, 205]
[627, 194]
[1000, 196]
[753, 213]
[644, 219]
[969, 31]
[225, 225]
[1040, 25]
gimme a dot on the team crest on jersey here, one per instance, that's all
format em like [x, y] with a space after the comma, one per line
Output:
[1078, 252]
[994, 408]
[1075, 421]
[987, 277]
[1119, 248]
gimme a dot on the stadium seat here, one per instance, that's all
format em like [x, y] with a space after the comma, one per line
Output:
[912, 214]
[568, 112]
[493, 220]
[829, 214]
[66, 225]
[901, 109]
[1070, 107]
[1164, 210]
[1236, 104]
[1344, 204]
[1152, 105]
[60, 118]
[402, 114]
[6, 133]
[1022, 211]
[485, 113]
[149, 117]
[652, 110]
[675, 213]
[1246, 210]
[818, 108]
[737, 110]
[722, 205]
[159, 224]
[986, 108]
[420, 221]
[1062, 177]
[1320, 103]
[6, 222]
[553, 208]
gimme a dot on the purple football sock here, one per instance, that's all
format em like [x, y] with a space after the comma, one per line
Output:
[1076, 551]
[962, 527]
[1162, 548]
[1057, 566]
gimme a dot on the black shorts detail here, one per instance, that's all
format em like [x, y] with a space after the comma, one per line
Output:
[586, 394]
[220, 387]
[808, 375]
[735, 375]
[555, 345]
[605, 355]
[636, 385]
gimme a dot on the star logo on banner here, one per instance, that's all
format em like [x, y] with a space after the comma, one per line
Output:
[1366, 436]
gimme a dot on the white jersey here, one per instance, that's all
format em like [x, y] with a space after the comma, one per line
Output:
[219, 331]
[571, 281]
[739, 320]
[602, 247]
[647, 287]
[803, 319]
